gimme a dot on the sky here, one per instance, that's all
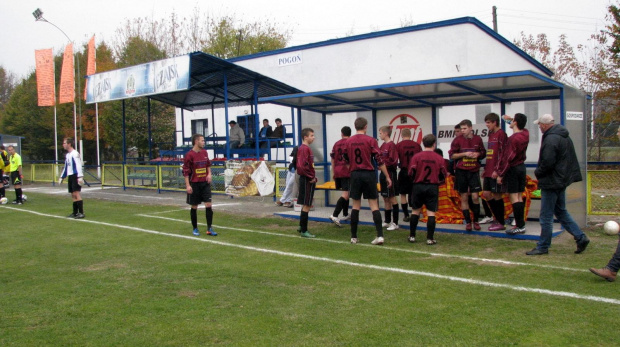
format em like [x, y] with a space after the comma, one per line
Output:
[308, 21]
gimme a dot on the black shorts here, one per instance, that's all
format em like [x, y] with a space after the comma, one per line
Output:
[468, 181]
[72, 184]
[424, 194]
[391, 191]
[342, 183]
[15, 179]
[405, 183]
[515, 180]
[490, 185]
[306, 191]
[363, 182]
[201, 192]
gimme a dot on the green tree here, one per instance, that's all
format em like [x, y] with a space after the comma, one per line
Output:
[7, 84]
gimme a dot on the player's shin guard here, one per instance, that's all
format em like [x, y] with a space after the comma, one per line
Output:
[75, 207]
[209, 215]
[339, 205]
[80, 206]
[413, 224]
[405, 209]
[488, 208]
[18, 194]
[388, 214]
[395, 213]
[475, 208]
[303, 221]
[430, 228]
[2, 192]
[345, 208]
[194, 217]
[355, 219]
[498, 211]
[376, 217]
[467, 216]
[519, 212]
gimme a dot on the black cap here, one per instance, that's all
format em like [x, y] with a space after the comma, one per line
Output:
[232, 122]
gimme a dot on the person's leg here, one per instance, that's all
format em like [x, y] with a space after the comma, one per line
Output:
[345, 206]
[614, 262]
[287, 195]
[376, 216]
[413, 224]
[565, 218]
[548, 199]
[404, 206]
[355, 218]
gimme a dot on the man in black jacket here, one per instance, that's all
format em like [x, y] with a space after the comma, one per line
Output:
[557, 169]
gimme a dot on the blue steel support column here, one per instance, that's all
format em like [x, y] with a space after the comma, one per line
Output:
[148, 107]
[124, 146]
[502, 111]
[226, 115]
[374, 123]
[182, 128]
[435, 120]
[326, 167]
[298, 141]
[256, 120]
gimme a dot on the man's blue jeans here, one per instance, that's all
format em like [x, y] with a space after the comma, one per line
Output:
[553, 202]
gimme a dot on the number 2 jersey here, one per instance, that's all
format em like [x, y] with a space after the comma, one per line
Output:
[360, 150]
[427, 167]
[196, 165]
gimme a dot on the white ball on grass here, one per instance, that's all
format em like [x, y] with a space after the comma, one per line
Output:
[611, 228]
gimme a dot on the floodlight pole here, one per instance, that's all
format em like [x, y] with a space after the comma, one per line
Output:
[38, 15]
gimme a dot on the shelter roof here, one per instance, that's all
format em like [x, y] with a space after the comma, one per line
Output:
[492, 88]
[211, 76]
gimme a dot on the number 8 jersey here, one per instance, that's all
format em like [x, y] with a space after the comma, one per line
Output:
[360, 150]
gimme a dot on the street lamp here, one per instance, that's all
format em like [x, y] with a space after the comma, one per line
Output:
[38, 16]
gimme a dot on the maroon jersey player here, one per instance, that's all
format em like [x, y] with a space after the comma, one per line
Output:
[360, 151]
[468, 150]
[406, 149]
[307, 179]
[491, 189]
[197, 173]
[428, 171]
[341, 176]
[389, 155]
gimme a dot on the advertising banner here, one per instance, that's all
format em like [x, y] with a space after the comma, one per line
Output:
[46, 90]
[67, 75]
[158, 77]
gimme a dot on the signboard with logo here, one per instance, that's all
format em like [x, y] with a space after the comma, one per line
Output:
[162, 76]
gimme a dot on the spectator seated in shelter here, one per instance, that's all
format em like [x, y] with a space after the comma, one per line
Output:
[236, 135]
[278, 133]
[265, 132]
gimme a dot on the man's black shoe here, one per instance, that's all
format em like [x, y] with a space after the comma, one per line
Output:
[582, 244]
[79, 216]
[71, 215]
[537, 251]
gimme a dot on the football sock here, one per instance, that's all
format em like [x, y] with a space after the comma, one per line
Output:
[498, 211]
[339, 204]
[18, 194]
[303, 221]
[194, 217]
[413, 224]
[430, 228]
[75, 207]
[488, 210]
[467, 216]
[376, 217]
[519, 212]
[395, 213]
[388, 215]
[476, 209]
[209, 213]
[2, 192]
[355, 218]
[405, 209]
[80, 206]
[345, 208]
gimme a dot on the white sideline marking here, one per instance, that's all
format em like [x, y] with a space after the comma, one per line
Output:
[199, 207]
[348, 263]
[498, 261]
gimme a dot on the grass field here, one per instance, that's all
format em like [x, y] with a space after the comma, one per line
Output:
[133, 275]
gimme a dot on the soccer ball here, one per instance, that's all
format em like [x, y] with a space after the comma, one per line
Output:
[611, 228]
[4, 201]
[24, 197]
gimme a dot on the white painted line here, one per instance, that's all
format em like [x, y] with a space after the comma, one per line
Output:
[464, 257]
[347, 263]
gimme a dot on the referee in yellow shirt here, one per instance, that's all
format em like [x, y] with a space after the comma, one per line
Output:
[16, 174]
